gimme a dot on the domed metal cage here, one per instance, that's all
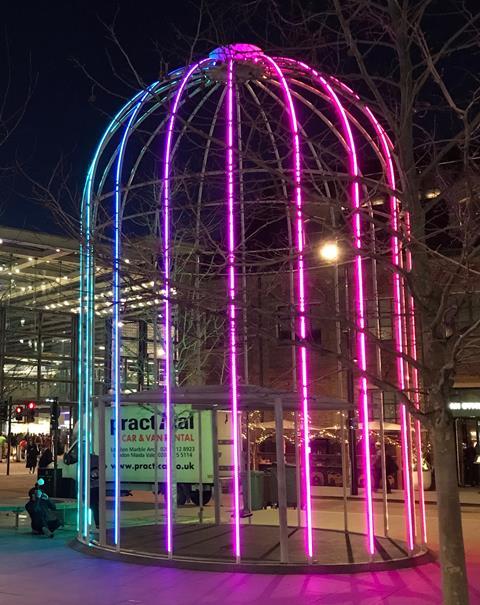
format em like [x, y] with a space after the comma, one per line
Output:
[233, 167]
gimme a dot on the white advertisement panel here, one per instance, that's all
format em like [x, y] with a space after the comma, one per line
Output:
[144, 425]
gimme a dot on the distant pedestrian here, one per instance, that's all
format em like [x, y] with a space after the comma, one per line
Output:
[469, 466]
[31, 456]
[3, 441]
[391, 470]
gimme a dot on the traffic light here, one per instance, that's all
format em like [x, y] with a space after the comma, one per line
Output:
[3, 411]
[19, 413]
[30, 411]
[54, 413]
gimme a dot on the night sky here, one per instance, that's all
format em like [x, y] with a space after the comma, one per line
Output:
[48, 42]
[67, 112]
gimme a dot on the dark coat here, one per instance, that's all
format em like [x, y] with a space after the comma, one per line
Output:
[46, 458]
[32, 455]
[40, 511]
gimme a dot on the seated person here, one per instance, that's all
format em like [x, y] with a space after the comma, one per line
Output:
[42, 513]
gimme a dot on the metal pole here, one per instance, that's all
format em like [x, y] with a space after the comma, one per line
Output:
[298, 485]
[216, 477]
[200, 468]
[55, 456]
[341, 389]
[156, 410]
[247, 498]
[102, 488]
[343, 418]
[352, 439]
[281, 481]
[378, 359]
[384, 469]
[249, 472]
[10, 406]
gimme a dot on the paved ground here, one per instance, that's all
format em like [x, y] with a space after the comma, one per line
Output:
[35, 569]
[46, 571]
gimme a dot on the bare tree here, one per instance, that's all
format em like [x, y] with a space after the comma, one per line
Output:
[413, 62]
[427, 99]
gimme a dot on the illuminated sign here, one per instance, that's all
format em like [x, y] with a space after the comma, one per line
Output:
[464, 406]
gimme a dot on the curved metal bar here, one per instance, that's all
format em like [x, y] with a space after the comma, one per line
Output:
[301, 302]
[398, 289]
[85, 338]
[232, 307]
[163, 89]
[116, 337]
[410, 340]
[360, 304]
[167, 310]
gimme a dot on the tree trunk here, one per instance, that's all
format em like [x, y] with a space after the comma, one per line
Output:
[452, 553]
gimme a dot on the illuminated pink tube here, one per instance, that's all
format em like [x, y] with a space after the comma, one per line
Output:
[302, 327]
[359, 299]
[360, 296]
[167, 309]
[399, 301]
[399, 297]
[416, 395]
[232, 308]
[398, 289]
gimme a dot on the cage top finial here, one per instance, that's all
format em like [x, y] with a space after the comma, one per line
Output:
[235, 51]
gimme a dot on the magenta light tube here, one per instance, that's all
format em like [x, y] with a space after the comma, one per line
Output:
[232, 307]
[301, 299]
[167, 310]
[398, 288]
[397, 301]
[359, 283]
[359, 298]
[416, 395]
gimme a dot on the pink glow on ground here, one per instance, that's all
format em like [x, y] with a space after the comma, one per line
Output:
[232, 308]
[167, 310]
[301, 298]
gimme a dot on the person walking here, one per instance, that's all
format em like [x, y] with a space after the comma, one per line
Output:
[31, 456]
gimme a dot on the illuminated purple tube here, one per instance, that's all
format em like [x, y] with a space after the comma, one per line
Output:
[232, 308]
[301, 299]
[167, 310]
[398, 288]
[416, 394]
[361, 342]
[360, 308]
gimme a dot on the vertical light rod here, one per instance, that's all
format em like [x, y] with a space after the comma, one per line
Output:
[85, 344]
[232, 307]
[360, 305]
[400, 321]
[301, 302]
[116, 337]
[386, 147]
[416, 393]
[167, 309]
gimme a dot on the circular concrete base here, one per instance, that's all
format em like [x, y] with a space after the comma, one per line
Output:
[208, 547]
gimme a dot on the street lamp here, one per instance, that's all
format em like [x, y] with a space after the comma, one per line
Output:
[329, 252]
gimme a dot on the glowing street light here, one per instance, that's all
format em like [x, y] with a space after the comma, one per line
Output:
[329, 252]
